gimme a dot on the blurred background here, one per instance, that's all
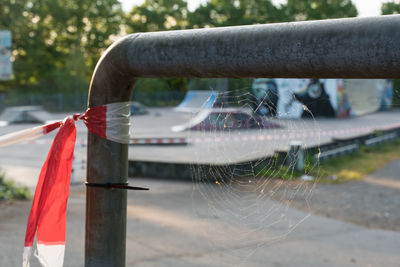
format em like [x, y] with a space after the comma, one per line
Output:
[242, 172]
[56, 44]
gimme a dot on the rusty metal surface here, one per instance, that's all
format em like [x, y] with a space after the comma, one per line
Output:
[347, 48]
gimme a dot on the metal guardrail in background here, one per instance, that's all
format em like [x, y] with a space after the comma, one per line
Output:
[341, 48]
[381, 139]
[335, 152]
[353, 144]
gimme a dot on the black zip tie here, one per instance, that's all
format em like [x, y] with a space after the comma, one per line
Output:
[117, 186]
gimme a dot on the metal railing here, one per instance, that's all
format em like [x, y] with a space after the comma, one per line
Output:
[381, 139]
[340, 48]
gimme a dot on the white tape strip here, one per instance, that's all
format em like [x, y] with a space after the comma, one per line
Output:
[20, 136]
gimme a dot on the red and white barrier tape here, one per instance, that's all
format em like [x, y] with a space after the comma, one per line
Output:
[155, 141]
[290, 135]
[47, 219]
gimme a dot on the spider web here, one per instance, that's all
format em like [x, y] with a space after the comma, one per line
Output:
[247, 180]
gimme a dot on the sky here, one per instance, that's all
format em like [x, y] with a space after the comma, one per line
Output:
[365, 8]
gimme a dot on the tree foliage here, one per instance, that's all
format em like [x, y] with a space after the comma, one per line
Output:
[217, 13]
[56, 43]
[390, 8]
[296, 10]
[157, 15]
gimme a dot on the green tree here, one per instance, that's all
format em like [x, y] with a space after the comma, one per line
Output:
[56, 43]
[158, 15]
[295, 10]
[217, 13]
[390, 8]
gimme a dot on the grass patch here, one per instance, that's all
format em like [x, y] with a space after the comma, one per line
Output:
[357, 165]
[345, 168]
[9, 190]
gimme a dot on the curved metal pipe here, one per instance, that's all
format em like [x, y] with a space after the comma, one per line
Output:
[340, 48]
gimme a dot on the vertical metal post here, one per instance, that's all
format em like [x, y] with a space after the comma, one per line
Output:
[106, 208]
[107, 162]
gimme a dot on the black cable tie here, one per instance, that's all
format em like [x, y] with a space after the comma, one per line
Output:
[117, 186]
